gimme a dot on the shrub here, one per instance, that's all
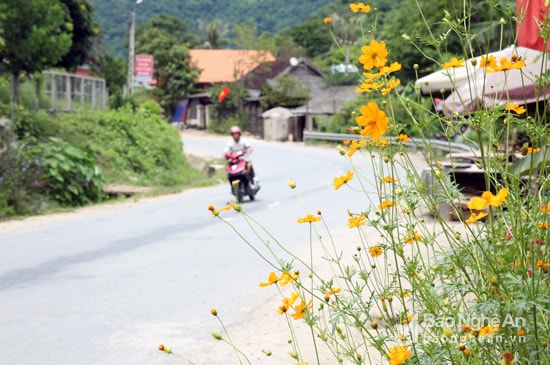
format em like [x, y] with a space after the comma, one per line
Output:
[71, 175]
[20, 177]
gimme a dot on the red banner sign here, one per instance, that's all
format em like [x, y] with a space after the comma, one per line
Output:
[143, 68]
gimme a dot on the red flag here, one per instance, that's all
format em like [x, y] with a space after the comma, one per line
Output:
[223, 93]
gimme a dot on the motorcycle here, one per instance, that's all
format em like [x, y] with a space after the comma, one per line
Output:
[239, 177]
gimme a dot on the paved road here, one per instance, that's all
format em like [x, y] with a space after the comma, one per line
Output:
[107, 287]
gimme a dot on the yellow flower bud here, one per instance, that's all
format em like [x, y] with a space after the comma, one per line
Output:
[291, 183]
[217, 336]
[447, 332]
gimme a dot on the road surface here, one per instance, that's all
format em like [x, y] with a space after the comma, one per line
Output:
[107, 286]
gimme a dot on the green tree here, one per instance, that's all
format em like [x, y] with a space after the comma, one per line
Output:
[214, 34]
[313, 36]
[440, 29]
[286, 92]
[168, 25]
[247, 37]
[83, 32]
[37, 33]
[175, 76]
[113, 70]
[164, 37]
[286, 47]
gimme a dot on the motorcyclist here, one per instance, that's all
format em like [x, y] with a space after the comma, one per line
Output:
[240, 144]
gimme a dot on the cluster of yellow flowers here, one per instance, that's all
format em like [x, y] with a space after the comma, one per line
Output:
[489, 62]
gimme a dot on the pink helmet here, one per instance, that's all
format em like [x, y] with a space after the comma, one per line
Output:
[235, 130]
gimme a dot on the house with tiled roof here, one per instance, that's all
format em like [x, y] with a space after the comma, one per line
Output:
[217, 66]
[226, 65]
[255, 69]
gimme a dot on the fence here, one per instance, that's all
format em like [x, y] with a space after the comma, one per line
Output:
[66, 91]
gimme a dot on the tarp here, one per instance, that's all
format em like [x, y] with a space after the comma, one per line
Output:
[520, 86]
[180, 111]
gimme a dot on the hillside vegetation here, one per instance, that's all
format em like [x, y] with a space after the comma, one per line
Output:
[269, 15]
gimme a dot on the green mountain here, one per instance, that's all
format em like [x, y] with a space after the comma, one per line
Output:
[269, 15]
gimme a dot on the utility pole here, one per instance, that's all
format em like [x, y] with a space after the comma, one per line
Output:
[131, 55]
[131, 51]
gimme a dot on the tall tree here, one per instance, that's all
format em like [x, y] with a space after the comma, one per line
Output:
[163, 38]
[175, 76]
[37, 33]
[213, 33]
[169, 25]
[83, 31]
[313, 37]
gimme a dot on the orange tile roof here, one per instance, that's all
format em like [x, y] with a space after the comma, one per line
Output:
[226, 65]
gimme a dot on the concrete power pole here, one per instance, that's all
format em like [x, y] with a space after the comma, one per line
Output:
[131, 54]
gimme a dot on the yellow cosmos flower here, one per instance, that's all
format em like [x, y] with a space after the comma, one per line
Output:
[216, 212]
[403, 138]
[474, 217]
[354, 145]
[492, 65]
[272, 279]
[287, 278]
[488, 199]
[390, 85]
[385, 204]
[374, 55]
[333, 291]
[359, 8]
[541, 264]
[388, 179]
[327, 20]
[412, 236]
[301, 309]
[488, 61]
[373, 120]
[341, 180]
[376, 250]
[382, 143]
[531, 150]
[387, 70]
[488, 330]
[356, 221]
[399, 354]
[288, 302]
[368, 86]
[543, 225]
[545, 208]
[310, 218]
[454, 63]
[515, 108]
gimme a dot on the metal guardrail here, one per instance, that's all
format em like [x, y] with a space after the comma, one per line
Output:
[413, 142]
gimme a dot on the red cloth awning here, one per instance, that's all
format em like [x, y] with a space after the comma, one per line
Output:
[533, 12]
